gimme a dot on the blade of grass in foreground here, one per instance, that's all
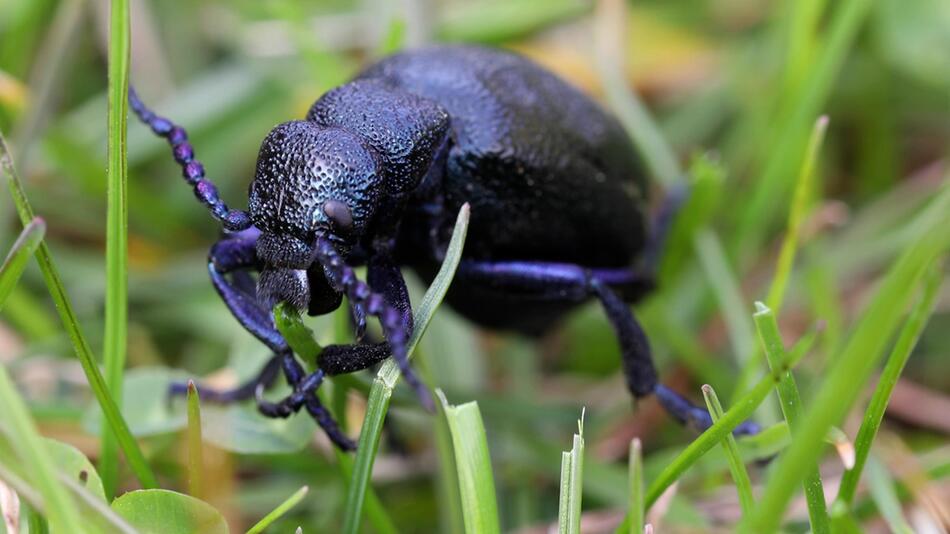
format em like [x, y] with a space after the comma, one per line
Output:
[55, 286]
[856, 362]
[117, 246]
[714, 435]
[473, 463]
[282, 509]
[386, 378]
[61, 510]
[24, 247]
[739, 474]
[906, 341]
[572, 482]
[636, 511]
[301, 340]
[791, 403]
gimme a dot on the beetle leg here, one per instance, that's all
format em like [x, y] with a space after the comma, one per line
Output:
[264, 379]
[573, 283]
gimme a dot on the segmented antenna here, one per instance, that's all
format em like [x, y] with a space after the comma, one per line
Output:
[394, 324]
[191, 169]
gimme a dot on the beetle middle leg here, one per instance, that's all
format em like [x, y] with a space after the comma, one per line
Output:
[555, 282]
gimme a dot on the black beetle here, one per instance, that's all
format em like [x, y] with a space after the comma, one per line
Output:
[375, 174]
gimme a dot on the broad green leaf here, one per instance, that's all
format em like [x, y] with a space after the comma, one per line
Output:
[158, 511]
[72, 463]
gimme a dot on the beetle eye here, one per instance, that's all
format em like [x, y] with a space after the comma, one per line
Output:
[339, 214]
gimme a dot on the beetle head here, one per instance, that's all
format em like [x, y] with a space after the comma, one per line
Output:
[310, 180]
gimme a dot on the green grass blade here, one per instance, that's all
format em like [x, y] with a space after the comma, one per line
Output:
[791, 403]
[195, 456]
[473, 464]
[301, 340]
[803, 190]
[55, 286]
[282, 509]
[382, 390]
[61, 510]
[117, 246]
[572, 482]
[906, 341]
[856, 362]
[636, 512]
[714, 435]
[24, 247]
[739, 474]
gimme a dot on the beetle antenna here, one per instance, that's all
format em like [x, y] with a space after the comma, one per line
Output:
[191, 169]
[394, 324]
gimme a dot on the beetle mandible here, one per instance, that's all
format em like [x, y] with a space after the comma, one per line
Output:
[374, 176]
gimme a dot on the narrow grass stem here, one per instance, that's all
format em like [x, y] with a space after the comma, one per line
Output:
[110, 410]
[281, 509]
[635, 474]
[117, 247]
[906, 341]
[20, 253]
[739, 474]
[195, 456]
[385, 381]
[791, 403]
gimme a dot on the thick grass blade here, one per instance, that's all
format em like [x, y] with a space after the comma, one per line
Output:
[714, 435]
[791, 403]
[473, 463]
[20, 253]
[856, 362]
[739, 474]
[382, 390]
[60, 509]
[117, 245]
[906, 341]
[636, 512]
[55, 286]
[282, 509]
[195, 456]
[572, 483]
[796, 214]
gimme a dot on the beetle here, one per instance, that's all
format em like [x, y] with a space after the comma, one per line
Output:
[373, 176]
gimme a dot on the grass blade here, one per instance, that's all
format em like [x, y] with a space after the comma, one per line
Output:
[714, 435]
[572, 482]
[110, 410]
[281, 509]
[195, 460]
[380, 393]
[892, 370]
[803, 189]
[856, 362]
[61, 510]
[24, 247]
[636, 512]
[473, 464]
[791, 403]
[739, 474]
[117, 246]
[885, 497]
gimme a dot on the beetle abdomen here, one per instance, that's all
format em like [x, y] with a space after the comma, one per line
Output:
[549, 175]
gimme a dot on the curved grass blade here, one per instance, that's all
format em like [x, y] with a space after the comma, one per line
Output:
[282, 509]
[473, 464]
[117, 243]
[714, 435]
[24, 247]
[791, 403]
[739, 474]
[386, 378]
[130, 447]
[857, 361]
[885, 386]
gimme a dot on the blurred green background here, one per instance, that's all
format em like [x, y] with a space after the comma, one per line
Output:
[734, 87]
